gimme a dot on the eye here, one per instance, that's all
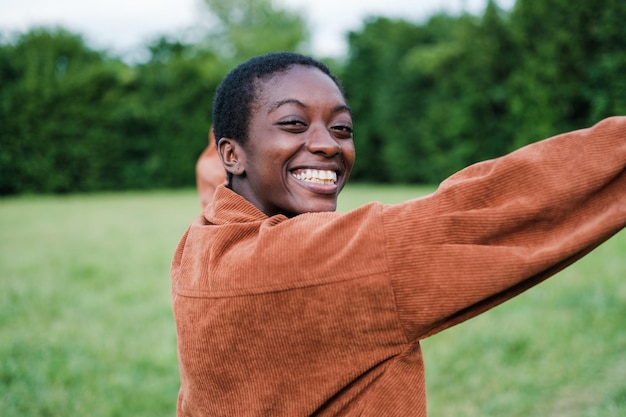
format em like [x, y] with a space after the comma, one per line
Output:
[343, 131]
[290, 122]
[292, 125]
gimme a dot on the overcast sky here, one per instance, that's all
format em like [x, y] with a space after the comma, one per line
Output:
[124, 25]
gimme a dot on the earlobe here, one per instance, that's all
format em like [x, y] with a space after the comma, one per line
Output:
[231, 154]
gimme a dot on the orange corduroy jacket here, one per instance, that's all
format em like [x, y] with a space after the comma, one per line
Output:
[322, 314]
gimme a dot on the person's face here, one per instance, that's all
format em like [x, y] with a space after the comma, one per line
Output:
[300, 150]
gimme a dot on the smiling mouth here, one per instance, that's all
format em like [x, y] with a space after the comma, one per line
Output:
[315, 176]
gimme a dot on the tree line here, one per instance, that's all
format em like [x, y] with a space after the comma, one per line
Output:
[428, 97]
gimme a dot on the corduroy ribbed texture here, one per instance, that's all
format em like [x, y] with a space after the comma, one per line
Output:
[321, 314]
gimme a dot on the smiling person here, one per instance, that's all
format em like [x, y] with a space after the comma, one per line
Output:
[293, 152]
[285, 307]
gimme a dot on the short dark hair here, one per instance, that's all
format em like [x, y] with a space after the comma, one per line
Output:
[237, 92]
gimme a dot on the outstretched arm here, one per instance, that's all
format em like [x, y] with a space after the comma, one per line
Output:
[499, 227]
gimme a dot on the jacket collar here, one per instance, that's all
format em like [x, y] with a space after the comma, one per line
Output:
[230, 207]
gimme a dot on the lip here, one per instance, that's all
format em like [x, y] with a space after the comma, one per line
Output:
[318, 187]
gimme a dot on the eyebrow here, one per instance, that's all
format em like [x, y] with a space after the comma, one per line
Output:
[276, 105]
[279, 103]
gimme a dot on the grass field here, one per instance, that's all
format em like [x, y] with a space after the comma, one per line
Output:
[86, 326]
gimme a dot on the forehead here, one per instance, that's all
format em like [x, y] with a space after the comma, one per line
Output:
[307, 84]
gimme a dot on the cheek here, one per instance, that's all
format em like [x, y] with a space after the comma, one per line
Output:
[271, 166]
[349, 154]
[281, 151]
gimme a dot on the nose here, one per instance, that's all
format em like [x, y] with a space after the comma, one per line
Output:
[322, 141]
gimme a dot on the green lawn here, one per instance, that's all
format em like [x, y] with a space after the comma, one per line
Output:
[86, 326]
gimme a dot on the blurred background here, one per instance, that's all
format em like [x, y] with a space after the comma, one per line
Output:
[447, 84]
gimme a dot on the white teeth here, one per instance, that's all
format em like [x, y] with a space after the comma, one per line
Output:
[315, 175]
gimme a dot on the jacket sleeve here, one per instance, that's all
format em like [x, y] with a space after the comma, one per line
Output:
[499, 227]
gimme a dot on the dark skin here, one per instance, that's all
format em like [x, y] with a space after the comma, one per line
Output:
[300, 149]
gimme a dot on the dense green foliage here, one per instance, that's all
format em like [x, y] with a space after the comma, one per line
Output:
[87, 330]
[428, 97]
[73, 119]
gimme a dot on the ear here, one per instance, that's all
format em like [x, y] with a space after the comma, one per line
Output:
[232, 155]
